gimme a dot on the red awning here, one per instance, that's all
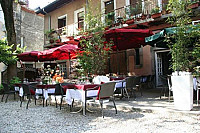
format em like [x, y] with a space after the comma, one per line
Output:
[28, 56]
[64, 52]
[127, 38]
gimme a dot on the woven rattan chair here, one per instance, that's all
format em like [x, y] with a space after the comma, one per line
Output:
[105, 92]
[7, 90]
[28, 91]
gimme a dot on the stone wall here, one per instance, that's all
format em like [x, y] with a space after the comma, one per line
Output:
[29, 28]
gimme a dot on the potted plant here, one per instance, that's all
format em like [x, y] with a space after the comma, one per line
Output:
[182, 45]
[155, 12]
[49, 35]
[194, 4]
[130, 11]
[109, 19]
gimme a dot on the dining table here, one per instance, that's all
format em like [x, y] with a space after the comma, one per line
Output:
[80, 92]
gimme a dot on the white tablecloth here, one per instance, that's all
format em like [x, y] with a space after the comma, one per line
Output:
[120, 83]
[20, 89]
[46, 92]
[100, 79]
[38, 91]
[79, 95]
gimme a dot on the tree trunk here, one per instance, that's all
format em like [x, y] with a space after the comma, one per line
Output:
[7, 7]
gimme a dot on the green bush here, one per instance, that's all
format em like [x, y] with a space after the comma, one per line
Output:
[155, 10]
[14, 80]
[1, 87]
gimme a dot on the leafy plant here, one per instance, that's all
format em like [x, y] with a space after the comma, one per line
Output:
[15, 80]
[184, 44]
[8, 56]
[133, 10]
[96, 49]
[1, 87]
[155, 10]
[109, 18]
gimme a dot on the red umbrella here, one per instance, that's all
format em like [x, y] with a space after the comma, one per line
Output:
[127, 38]
[29, 56]
[63, 52]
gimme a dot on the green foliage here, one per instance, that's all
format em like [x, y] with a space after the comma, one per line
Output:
[49, 32]
[184, 44]
[15, 80]
[1, 87]
[155, 10]
[96, 49]
[8, 56]
[131, 11]
[109, 18]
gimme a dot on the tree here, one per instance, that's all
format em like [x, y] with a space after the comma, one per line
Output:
[184, 44]
[7, 7]
[96, 49]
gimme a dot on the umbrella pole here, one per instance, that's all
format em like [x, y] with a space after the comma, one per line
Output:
[109, 71]
[118, 68]
[69, 64]
[35, 71]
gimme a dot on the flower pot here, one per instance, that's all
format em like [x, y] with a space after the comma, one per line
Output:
[156, 15]
[107, 28]
[138, 19]
[58, 41]
[130, 21]
[144, 16]
[182, 86]
[194, 5]
[164, 12]
[51, 41]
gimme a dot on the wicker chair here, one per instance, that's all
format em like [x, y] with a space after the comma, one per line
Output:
[105, 92]
[29, 92]
[7, 90]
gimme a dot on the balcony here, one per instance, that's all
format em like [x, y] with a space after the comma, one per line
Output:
[136, 13]
[131, 15]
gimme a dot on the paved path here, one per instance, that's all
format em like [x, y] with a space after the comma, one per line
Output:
[145, 114]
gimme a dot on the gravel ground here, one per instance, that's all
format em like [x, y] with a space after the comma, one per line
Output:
[38, 119]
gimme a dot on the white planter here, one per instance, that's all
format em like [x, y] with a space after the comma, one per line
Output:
[182, 87]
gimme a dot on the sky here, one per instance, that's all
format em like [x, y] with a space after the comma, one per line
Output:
[39, 3]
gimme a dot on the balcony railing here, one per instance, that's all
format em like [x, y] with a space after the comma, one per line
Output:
[137, 11]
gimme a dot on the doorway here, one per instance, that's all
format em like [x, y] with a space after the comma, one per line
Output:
[163, 64]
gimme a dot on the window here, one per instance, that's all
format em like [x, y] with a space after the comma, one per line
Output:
[80, 17]
[63, 69]
[78, 20]
[109, 6]
[109, 10]
[136, 6]
[138, 57]
[61, 21]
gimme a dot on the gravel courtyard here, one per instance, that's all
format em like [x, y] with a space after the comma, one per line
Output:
[53, 120]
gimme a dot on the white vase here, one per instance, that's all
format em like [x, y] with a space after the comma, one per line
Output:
[182, 87]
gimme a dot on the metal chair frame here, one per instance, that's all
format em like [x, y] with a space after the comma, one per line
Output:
[8, 91]
[106, 92]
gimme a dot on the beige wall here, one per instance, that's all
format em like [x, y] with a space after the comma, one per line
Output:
[146, 67]
[66, 9]
[69, 10]
[147, 63]
[120, 3]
